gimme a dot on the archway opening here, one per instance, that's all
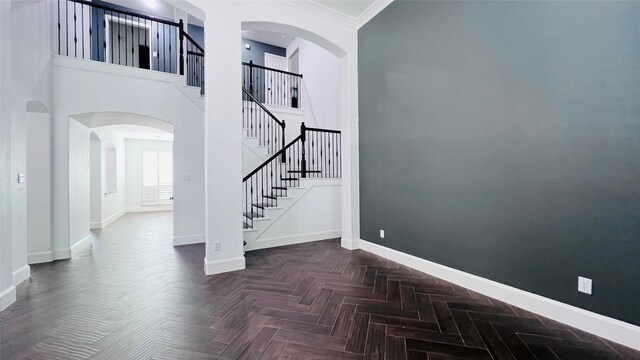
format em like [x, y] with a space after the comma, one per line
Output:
[120, 177]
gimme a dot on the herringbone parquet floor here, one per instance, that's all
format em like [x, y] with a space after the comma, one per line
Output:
[134, 296]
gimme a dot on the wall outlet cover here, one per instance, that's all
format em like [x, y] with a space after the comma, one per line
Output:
[381, 234]
[217, 246]
[584, 285]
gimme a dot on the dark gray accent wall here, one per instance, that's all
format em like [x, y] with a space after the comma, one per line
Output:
[503, 139]
[256, 54]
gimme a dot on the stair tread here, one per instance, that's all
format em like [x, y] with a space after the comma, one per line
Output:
[252, 215]
[279, 188]
[308, 171]
[264, 205]
[288, 179]
[270, 197]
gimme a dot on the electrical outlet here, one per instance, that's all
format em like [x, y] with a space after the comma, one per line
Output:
[381, 233]
[584, 285]
[217, 246]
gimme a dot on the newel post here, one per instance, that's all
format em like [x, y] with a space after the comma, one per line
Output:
[181, 30]
[303, 162]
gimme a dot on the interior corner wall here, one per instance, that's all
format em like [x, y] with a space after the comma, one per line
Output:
[133, 162]
[113, 205]
[7, 296]
[501, 139]
[26, 75]
[320, 93]
[79, 178]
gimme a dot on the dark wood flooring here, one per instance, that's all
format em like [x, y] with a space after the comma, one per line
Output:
[134, 296]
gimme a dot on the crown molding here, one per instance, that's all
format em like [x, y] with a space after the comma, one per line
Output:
[370, 12]
[323, 12]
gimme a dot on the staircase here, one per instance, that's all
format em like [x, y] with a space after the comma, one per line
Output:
[288, 171]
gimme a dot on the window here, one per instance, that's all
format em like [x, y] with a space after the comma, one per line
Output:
[157, 177]
[110, 169]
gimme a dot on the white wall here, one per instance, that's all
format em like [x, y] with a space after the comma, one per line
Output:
[95, 149]
[133, 161]
[223, 111]
[25, 73]
[79, 175]
[112, 204]
[320, 98]
[314, 214]
[39, 247]
[153, 94]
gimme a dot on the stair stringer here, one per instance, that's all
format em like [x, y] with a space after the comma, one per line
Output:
[311, 212]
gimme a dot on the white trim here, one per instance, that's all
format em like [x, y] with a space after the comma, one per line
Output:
[79, 246]
[40, 257]
[113, 218]
[349, 244]
[189, 239]
[225, 265]
[608, 328]
[370, 12]
[21, 275]
[323, 12]
[7, 297]
[292, 239]
[150, 208]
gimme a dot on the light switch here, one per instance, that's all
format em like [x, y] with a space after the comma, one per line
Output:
[20, 178]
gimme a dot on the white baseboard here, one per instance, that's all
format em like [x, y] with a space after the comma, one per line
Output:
[80, 245]
[21, 275]
[292, 239]
[222, 266]
[608, 328]
[349, 244]
[7, 297]
[188, 240]
[149, 208]
[100, 224]
[40, 257]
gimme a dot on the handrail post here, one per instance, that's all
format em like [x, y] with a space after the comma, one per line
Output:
[284, 157]
[303, 162]
[251, 77]
[181, 30]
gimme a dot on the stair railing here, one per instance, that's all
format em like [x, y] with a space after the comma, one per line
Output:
[272, 86]
[315, 153]
[263, 186]
[112, 34]
[260, 123]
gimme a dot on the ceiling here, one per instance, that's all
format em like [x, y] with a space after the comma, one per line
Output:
[268, 37]
[142, 132]
[353, 8]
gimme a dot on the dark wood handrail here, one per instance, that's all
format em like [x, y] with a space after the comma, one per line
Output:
[271, 69]
[262, 107]
[195, 43]
[273, 157]
[323, 130]
[126, 12]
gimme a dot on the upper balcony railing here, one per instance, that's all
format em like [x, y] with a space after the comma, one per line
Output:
[272, 86]
[101, 32]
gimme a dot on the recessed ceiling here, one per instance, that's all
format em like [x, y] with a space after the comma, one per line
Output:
[353, 8]
[268, 37]
[142, 132]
